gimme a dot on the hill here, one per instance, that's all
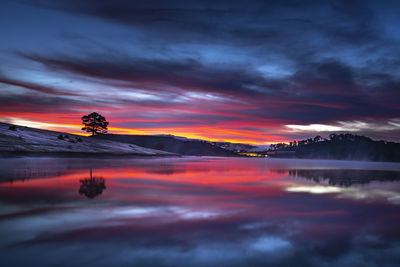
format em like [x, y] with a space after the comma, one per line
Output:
[339, 146]
[20, 139]
[170, 143]
[239, 147]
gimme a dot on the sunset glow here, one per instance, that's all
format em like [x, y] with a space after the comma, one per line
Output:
[200, 133]
[259, 77]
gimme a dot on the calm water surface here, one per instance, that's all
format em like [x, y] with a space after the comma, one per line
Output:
[198, 211]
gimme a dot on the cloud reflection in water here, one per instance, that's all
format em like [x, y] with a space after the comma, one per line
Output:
[202, 211]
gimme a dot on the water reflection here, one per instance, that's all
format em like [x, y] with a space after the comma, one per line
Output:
[202, 211]
[346, 178]
[92, 187]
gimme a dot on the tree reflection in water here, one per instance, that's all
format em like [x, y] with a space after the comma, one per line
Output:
[93, 186]
[346, 178]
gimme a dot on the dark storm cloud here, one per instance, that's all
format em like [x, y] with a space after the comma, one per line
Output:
[35, 87]
[297, 62]
[188, 74]
[34, 103]
[249, 22]
[321, 87]
[320, 91]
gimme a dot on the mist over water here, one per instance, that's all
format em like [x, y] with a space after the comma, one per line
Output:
[198, 211]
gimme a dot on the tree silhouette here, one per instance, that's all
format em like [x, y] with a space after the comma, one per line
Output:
[343, 146]
[93, 186]
[94, 123]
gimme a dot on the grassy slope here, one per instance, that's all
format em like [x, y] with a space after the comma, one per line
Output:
[26, 139]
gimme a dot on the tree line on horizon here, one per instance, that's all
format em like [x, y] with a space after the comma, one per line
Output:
[341, 146]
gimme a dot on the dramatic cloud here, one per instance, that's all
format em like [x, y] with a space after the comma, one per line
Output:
[258, 72]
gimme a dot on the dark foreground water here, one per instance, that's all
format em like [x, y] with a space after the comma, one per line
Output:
[198, 211]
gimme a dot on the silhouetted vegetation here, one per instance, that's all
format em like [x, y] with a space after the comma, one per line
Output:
[69, 139]
[339, 146]
[94, 123]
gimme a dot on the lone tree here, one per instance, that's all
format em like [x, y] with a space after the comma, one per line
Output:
[94, 123]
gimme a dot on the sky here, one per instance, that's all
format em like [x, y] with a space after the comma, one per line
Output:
[254, 72]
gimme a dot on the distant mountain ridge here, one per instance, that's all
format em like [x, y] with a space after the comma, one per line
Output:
[172, 144]
[239, 147]
[235, 147]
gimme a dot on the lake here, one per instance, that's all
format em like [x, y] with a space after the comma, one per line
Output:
[198, 211]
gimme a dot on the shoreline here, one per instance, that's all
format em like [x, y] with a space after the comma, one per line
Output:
[18, 154]
[15, 154]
